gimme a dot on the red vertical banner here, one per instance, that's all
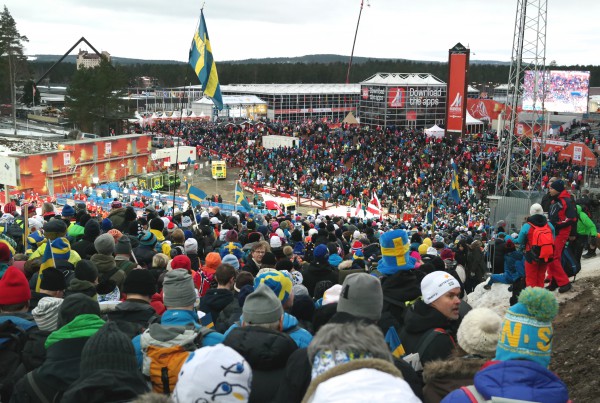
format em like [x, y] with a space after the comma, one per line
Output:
[456, 95]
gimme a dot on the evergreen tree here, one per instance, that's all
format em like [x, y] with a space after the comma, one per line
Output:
[13, 63]
[92, 98]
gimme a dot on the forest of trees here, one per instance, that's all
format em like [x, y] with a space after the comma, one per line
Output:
[179, 74]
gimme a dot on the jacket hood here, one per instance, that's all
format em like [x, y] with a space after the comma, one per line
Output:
[402, 286]
[158, 234]
[335, 260]
[216, 299]
[289, 322]
[104, 263]
[179, 317]
[521, 380]
[84, 325]
[423, 317]
[452, 368]
[265, 350]
[538, 220]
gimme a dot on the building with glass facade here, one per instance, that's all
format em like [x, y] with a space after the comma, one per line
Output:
[416, 100]
[296, 102]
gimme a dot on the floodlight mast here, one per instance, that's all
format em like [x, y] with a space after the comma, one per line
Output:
[519, 166]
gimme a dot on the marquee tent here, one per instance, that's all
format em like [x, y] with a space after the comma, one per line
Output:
[579, 154]
[435, 131]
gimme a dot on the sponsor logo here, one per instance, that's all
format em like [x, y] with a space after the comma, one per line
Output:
[457, 103]
[365, 93]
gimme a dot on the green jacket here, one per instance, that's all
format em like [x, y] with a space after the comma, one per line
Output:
[585, 226]
[75, 232]
[85, 325]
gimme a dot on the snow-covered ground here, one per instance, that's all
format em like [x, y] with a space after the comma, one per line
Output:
[498, 297]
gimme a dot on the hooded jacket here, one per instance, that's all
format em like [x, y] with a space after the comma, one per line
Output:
[215, 300]
[117, 218]
[106, 386]
[420, 319]
[133, 316]
[585, 226]
[537, 220]
[520, 380]
[105, 264]
[290, 326]
[164, 247]
[81, 286]
[563, 213]
[267, 352]
[320, 271]
[398, 289]
[443, 376]
[63, 355]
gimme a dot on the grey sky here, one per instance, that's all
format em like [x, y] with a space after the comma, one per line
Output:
[241, 29]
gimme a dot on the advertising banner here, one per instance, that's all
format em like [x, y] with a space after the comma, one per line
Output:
[456, 104]
[396, 97]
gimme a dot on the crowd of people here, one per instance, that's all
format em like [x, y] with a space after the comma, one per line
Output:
[259, 308]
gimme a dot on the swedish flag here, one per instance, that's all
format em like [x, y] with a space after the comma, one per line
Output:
[240, 199]
[57, 249]
[195, 195]
[454, 186]
[201, 59]
[393, 341]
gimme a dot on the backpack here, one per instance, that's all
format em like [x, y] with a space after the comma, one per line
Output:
[570, 266]
[163, 359]
[12, 340]
[541, 248]
[414, 359]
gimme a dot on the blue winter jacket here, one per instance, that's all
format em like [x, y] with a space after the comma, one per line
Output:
[179, 317]
[515, 379]
[290, 326]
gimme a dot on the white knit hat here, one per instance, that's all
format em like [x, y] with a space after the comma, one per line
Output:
[478, 332]
[436, 284]
[536, 208]
[214, 373]
[46, 313]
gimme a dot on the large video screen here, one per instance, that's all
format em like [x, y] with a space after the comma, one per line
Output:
[566, 91]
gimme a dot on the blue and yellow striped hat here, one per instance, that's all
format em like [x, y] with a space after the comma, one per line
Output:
[276, 281]
[61, 249]
[395, 252]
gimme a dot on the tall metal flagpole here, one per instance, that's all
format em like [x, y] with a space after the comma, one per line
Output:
[354, 42]
[175, 186]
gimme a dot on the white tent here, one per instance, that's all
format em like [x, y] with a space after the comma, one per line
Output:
[474, 125]
[435, 131]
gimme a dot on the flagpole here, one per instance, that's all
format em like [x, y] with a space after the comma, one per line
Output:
[177, 152]
[235, 196]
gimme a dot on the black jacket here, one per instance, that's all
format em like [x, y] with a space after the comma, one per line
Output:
[313, 273]
[144, 256]
[56, 374]
[398, 289]
[215, 300]
[497, 252]
[418, 320]
[267, 352]
[106, 386]
[133, 316]
[85, 248]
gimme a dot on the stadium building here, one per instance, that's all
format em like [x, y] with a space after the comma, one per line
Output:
[296, 102]
[415, 100]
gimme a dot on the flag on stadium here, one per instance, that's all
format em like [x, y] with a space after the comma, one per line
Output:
[273, 205]
[358, 208]
[201, 60]
[454, 186]
[240, 199]
[374, 207]
[56, 249]
[195, 195]
[393, 341]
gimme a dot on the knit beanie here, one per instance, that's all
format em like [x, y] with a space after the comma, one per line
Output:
[321, 252]
[478, 332]
[141, 282]
[262, 306]
[436, 284]
[232, 261]
[269, 260]
[214, 371]
[105, 244]
[52, 279]
[75, 305]
[157, 224]
[91, 229]
[55, 226]
[186, 222]
[106, 225]
[5, 253]
[536, 208]
[116, 234]
[558, 185]
[86, 270]
[361, 296]
[278, 282]
[395, 252]
[527, 328]
[67, 211]
[123, 246]
[178, 289]
[181, 262]
[14, 288]
[190, 246]
[147, 238]
[108, 349]
[45, 313]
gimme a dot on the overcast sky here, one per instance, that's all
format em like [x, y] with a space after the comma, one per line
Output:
[242, 29]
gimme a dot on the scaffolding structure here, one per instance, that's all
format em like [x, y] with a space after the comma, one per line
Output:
[519, 168]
